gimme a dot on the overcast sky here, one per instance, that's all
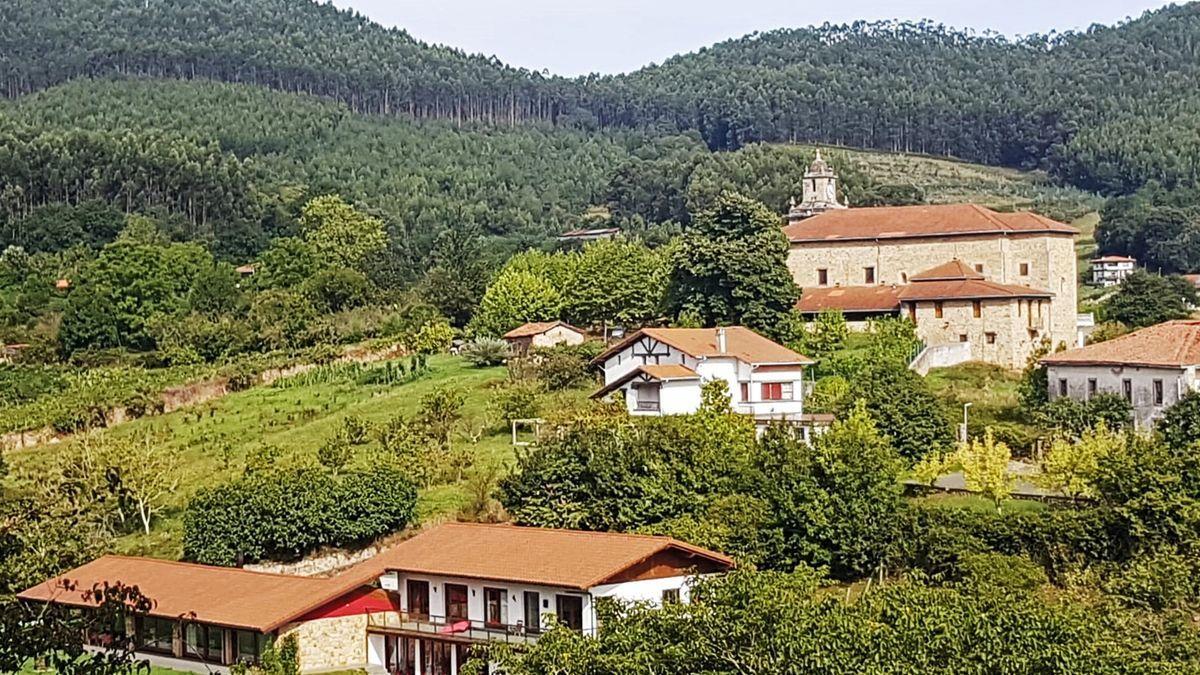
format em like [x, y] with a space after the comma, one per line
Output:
[574, 37]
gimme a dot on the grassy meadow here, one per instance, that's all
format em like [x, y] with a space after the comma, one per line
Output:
[296, 417]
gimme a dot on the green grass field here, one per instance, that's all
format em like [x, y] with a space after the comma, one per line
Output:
[215, 438]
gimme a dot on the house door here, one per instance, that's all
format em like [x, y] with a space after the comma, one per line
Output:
[456, 602]
[418, 599]
[533, 612]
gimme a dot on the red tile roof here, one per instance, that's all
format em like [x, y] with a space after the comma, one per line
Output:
[537, 328]
[741, 343]
[1113, 258]
[930, 220]
[955, 269]
[850, 299]
[1175, 344]
[239, 598]
[527, 555]
[669, 371]
[222, 596]
[662, 373]
[967, 289]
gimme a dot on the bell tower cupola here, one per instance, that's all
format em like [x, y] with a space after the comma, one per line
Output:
[818, 192]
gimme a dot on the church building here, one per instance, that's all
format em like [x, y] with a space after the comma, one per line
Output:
[1003, 283]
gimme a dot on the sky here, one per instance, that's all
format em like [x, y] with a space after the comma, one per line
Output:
[576, 37]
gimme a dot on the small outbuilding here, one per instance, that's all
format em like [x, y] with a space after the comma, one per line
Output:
[544, 334]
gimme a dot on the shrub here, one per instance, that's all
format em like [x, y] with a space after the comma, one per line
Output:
[280, 515]
[485, 352]
[434, 337]
[563, 366]
[1156, 581]
[517, 402]
[1012, 573]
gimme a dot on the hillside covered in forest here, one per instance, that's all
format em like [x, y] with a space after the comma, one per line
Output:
[1106, 110]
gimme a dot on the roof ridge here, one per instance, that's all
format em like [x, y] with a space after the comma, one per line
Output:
[991, 216]
[204, 566]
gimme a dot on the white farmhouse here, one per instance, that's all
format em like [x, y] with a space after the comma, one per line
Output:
[1151, 368]
[1111, 270]
[662, 371]
[417, 608]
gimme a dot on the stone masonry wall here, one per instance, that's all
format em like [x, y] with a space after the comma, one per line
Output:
[1049, 259]
[339, 642]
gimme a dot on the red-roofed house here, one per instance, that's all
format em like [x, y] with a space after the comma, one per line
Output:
[417, 607]
[663, 370]
[544, 334]
[1151, 368]
[1111, 270]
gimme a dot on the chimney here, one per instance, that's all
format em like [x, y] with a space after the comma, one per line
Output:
[721, 346]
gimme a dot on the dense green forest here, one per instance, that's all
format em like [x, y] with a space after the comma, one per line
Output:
[1106, 110]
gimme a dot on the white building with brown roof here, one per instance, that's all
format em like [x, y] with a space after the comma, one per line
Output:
[662, 371]
[414, 609]
[1111, 270]
[1151, 369]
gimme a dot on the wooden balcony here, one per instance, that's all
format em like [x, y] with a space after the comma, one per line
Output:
[466, 630]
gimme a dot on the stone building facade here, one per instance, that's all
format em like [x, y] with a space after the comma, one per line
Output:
[885, 248]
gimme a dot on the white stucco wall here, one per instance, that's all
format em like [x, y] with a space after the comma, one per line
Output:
[684, 396]
[647, 590]
[1110, 379]
[514, 593]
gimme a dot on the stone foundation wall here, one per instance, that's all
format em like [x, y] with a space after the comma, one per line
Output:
[339, 642]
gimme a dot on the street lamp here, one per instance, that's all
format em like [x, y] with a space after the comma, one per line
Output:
[963, 434]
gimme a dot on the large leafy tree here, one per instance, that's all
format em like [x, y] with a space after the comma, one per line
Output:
[515, 297]
[905, 411]
[835, 502]
[731, 268]
[1145, 299]
[622, 281]
[459, 274]
[341, 235]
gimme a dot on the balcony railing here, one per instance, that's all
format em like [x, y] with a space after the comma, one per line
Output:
[462, 629]
[647, 406]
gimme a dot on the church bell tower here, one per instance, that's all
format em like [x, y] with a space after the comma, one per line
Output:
[819, 192]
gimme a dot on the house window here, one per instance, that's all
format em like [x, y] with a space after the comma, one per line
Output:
[912, 312]
[937, 309]
[204, 642]
[670, 596]
[1091, 387]
[745, 392]
[1024, 269]
[495, 606]
[822, 277]
[570, 611]
[990, 337]
[869, 275]
[155, 634]
[904, 277]
[1062, 387]
[1158, 392]
[977, 308]
[250, 645]
[962, 337]
[456, 602]
[979, 268]
[647, 396]
[533, 614]
[777, 391]
[1127, 389]
[418, 599]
